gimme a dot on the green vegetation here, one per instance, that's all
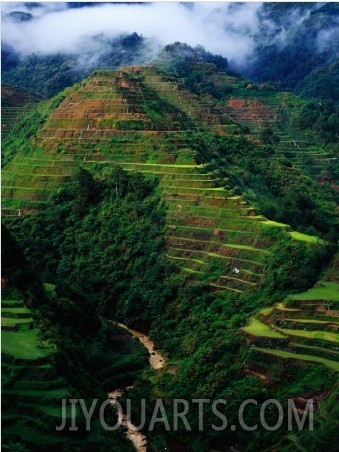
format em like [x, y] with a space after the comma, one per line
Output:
[322, 118]
[326, 336]
[299, 64]
[280, 191]
[306, 330]
[325, 290]
[55, 360]
[21, 138]
[304, 237]
[260, 329]
[130, 176]
[25, 345]
[331, 364]
[122, 203]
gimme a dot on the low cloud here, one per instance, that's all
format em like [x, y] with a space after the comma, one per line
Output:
[222, 28]
[233, 30]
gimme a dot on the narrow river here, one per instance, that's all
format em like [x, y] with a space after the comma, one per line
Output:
[156, 361]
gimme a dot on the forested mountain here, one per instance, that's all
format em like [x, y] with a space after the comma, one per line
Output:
[189, 197]
[186, 203]
[302, 44]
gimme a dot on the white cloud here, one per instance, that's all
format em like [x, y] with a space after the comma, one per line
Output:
[222, 28]
[228, 28]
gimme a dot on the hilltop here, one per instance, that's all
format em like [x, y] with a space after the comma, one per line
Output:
[192, 205]
[153, 122]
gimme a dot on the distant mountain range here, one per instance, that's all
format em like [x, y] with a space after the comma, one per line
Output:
[293, 44]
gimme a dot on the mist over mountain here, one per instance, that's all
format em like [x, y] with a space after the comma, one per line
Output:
[222, 28]
[47, 46]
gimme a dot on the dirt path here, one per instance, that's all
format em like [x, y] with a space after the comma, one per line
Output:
[156, 361]
[138, 439]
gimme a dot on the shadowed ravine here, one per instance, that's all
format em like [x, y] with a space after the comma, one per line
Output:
[156, 361]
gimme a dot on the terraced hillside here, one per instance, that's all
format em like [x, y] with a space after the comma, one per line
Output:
[10, 117]
[255, 107]
[304, 327]
[137, 117]
[267, 109]
[31, 390]
[15, 103]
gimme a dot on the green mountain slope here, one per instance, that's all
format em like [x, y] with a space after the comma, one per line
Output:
[15, 103]
[219, 186]
[143, 120]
